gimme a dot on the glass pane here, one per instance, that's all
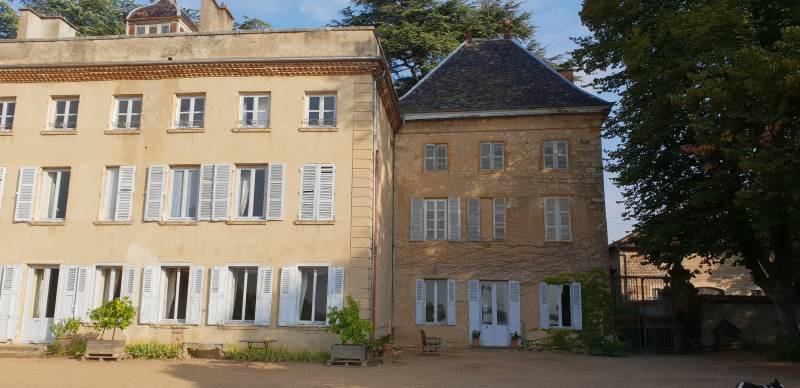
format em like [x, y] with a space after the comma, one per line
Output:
[49, 192]
[263, 118]
[63, 191]
[252, 283]
[441, 301]
[330, 102]
[306, 293]
[313, 103]
[177, 194]
[117, 282]
[198, 119]
[321, 305]
[487, 314]
[73, 107]
[194, 190]
[329, 117]
[238, 292]
[244, 193]
[184, 289]
[263, 104]
[554, 304]
[152, 30]
[185, 104]
[140, 30]
[135, 121]
[61, 107]
[248, 103]
[502, 303]
[199, 104]
[169, 302]
[37, 296]
[10, 107]
[566, 307]
[165, 29]
[137, 106]
[51, 293]
[123, 107]
[429, 300]
[260, 193]
[112, 182]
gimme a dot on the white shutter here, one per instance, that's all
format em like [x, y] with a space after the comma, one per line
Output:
[544, 312]
[514, 323]
[125, 190]
[155, 193]
[148, 306]
[451, 302]
[325, 192]
[128, 282]
[474, 307]
[195, 295]
[420, 301]
[486, 156]
[562, 153]
[83, 295]
[499, 220]
[417, 230]
[454, 219]
[498, 156]
[275, 191]
[2, 186]
[308, 180]
[564, 229]
[287, 313]
[206, 201]
[26, 193]
[550, 225]
[430, 157]
[474, 219]
[65, 296]
[264, 297]
[335, 288]
[217, 304]
[577, 309]
[549, 154]
[222, 192]
[10, 283]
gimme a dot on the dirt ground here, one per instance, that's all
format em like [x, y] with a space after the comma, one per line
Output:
[485, 368]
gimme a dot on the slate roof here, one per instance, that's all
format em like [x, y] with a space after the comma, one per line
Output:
[162, 9]
[493, 75]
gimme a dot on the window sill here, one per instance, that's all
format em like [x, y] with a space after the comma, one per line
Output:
[246, 222]
[239, 326]
[178, 223]
[173, 325]
[47, 223]
[186, 130]
[309, 327]
[57, 132]
[251, 130]
[559, 242]
[122, 132]
[302, 222]
[111, 223]
[318, 129]
[5, 133]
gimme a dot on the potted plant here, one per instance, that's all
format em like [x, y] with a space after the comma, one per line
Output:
[116, 314]
[354, 333]
[386, 344]
[64, 332]
[515, 337]
[476, 339]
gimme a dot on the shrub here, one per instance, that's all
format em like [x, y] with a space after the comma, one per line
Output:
[274, 355]
[564, 340]
[66, 327]
[115, 314]
[154, 351]
[784, 349]
[347, 323]
[76, 349]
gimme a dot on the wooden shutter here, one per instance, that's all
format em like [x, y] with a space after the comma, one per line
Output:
[544, 312]
[562, 153]
[564, 229]
[308, 180]
[416, 228]
[155, 193]
[454, 219]
[499, 219]
[148, 306]
[474, 219]
[430, 157]
[549, 154]
[474, 307]
[486, 156]
[577, 309]
[2, 186]
[420, 301]
[264, 297]
[10, 283]
[222, 192]
[451, 302]
[26, 193]
[195, 295]
[217, 303]
[441, 157]
[498, 156]
[335, 287]
[287, 313]
[83, 295]
[325, 192]
[206, 202]
[128, 282]
[550, 223]
[514, 323]
[275, 191]
[65, 296]
[125, 190]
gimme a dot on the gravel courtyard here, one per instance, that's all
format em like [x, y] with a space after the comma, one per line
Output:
[485, 368]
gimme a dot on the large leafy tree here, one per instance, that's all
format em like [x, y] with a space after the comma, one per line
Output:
[418, 34]
[251, 24]
[709, 123]
[92, 17]
[8, 21]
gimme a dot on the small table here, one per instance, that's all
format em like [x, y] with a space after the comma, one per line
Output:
[265, 343]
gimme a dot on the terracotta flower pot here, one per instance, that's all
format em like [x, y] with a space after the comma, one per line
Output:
[515, 343]
[476, 343]
[387, 347]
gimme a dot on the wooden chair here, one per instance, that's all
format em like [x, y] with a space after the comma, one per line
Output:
[430, 345]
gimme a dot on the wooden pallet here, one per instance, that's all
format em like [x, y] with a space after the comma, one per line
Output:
[104, 357]
[346, 362]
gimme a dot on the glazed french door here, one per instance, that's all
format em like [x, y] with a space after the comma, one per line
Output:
[494, 313]
[41, 304]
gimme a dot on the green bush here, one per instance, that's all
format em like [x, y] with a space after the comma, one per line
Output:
[564, 340]
[115, 314]
[66, 327]
[154, 351]
[275, 355]
[347, 323]
[784, 349]
[76, 349]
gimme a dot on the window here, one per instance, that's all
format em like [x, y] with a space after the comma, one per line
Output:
[756, 292]
[435, 301]
[492, 156]
[7, 108]
[191, 112]
[710, 291]
[176, 286]
[559, 304]
[499, 219]
[251, 192]
[128, 113]
[557, 219]
[112, 187]
[435, 157]
[118, 193]
[55, 190]
[184, 193]
[108, 285]
[243, 293]
[152, 29]
[316, 192]
[255, 111]
[65, 114]
[321, 111]
[313, 294]
[656, 293]
[435, 219]
[555, 154]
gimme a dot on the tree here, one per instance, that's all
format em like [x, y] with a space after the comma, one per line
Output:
[8, 21]
[709, 123]
[115, 314]
[91, 17]
[251, 24]
[418, 34]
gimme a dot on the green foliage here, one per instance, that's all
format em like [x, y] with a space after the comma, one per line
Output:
[76, 348]
[8, 21]
[516, 335]
[275, 355]
[66, 327]
[784, 349]
[154, 351]
[476, 334]
[598, 314]
[348, 325]
[418, 34]
[564, 340]
[709, 155]
[91, 17]
[251, 24]
[115, 314]
[192, 14]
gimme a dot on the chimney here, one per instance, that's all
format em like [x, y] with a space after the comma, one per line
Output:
[32, 25]
[506, 29]
[215, 17]
[567, 73]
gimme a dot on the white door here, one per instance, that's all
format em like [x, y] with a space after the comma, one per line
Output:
[494, 314]
[40, 304]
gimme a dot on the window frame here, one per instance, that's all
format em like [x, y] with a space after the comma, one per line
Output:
[436, 282]
[554, 159]
[184, 193]
[117, 270]
[192, 112]
[5, 117]
[435, 158]
[129, 114]
[55, 193]
[558, 223]
[321, 111]
[146, 29]
[561, 306]
[436, 202]
[164, 291]
[108, 195]
[251, 194]
[299, 272]
[69, 101]
[254, 123]
[231, 291]
[492, 167]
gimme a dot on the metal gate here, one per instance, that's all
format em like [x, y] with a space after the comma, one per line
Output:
[644, 314]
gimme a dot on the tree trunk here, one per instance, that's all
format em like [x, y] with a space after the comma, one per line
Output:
[685, 307]
[781, 279]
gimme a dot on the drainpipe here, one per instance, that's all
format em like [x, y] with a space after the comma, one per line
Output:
[375, 175]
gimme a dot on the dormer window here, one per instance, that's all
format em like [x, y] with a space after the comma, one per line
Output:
[159, 17]
[152, 29]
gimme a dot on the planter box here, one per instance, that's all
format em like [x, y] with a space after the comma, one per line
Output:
[348, 352]
[105, 348]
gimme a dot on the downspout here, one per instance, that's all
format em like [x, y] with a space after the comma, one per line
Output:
[375, 175]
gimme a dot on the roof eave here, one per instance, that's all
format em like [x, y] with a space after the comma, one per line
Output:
[594, 109]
